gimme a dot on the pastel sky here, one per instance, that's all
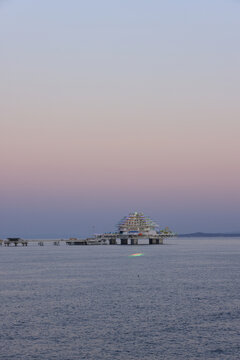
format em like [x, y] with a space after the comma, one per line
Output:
[110, 106]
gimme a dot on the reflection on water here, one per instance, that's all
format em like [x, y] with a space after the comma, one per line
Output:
[178, 301]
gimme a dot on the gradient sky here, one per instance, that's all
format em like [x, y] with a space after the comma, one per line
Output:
[115, 106]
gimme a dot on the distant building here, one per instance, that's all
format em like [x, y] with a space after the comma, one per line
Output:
[131, 229]
[137, 222]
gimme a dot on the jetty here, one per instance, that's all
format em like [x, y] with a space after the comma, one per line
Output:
[133, 229]
[18, 241]
[15, 242]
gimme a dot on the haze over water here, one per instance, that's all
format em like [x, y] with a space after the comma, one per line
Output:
[177, 301]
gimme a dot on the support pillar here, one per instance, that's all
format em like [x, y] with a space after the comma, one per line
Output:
[134, 241]
[112, 241]
[152, 241]
[124, 241]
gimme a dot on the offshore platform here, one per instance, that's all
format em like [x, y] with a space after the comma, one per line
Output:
[131, 230]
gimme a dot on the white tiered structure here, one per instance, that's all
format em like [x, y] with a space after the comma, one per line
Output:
[137, 223]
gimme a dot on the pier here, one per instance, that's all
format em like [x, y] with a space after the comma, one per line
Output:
[134, 229]
[19, 241]
[15, 242]
[118, 239]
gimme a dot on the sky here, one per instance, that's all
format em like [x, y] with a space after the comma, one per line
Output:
[108, 107]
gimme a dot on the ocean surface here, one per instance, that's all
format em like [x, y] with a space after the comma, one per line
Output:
[178, 301]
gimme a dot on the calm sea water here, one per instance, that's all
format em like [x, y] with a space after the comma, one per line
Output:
[177, 301]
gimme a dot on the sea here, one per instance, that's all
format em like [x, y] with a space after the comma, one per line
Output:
[180, 300]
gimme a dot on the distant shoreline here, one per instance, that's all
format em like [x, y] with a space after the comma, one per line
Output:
[202, 234]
